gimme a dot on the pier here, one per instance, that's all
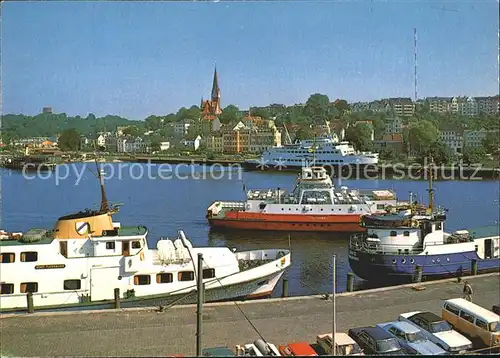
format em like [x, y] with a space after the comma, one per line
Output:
[156, 332]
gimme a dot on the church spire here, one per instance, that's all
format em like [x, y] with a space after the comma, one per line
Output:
[215, 86]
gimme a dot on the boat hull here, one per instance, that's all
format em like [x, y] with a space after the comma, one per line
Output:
[291, 222]
[261, 287]
[402, 268]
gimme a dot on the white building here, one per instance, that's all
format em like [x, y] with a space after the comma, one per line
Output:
[164, 145]
[474, 138]
[488, 105]
[466, 106]
[133, 145]
[181, 128]
[453, 138]
[192, 144]
[393, 125]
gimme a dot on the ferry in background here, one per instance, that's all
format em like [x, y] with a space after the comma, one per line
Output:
[313, 205]
[395, 244]
[325, 151]
[87, 256]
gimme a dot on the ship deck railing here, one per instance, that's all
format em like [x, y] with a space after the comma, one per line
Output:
[361, 242]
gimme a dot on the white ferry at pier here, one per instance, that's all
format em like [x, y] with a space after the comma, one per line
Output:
[325, 151]
[87, 256]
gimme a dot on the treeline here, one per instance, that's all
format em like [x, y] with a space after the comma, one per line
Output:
[15, 126]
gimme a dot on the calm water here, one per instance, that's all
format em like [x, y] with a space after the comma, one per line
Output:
[167, 205]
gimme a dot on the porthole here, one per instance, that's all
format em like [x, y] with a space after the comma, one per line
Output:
[412, 261]
[448, 259]
[393, 261]
[403, 261]
[438, 260]
[433, 261]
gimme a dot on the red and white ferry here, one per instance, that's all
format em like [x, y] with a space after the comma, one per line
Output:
[313, 205]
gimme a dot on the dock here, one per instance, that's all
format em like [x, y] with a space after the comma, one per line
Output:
[152, 332]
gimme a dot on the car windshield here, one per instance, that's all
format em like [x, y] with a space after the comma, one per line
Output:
[442, 326]
[388, 345]
[494, 327]
[348, 349]
[415, 337]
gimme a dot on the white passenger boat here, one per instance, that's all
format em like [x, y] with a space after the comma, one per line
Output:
[87, 256]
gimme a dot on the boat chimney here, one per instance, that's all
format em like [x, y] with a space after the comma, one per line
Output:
[104, 200]
[431, 189]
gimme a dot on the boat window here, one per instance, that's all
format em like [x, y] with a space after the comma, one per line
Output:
[63, 248]
[7, 258]
[72, 284]
[452, 309]
[164, 277]
[136, 244]
[394, 233]
[380, 206]
[6, 288]
[481, 324]
[208, 273]
[29, 287]
[140, 280]
[467, 317]
[30, 256]
[110, 245]
[406, 233]
[185, 276]
[439, 226]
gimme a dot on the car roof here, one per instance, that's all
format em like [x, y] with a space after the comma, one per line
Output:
[475, 309]
[429, 317]
[301, 349]
[402, 325]
[375, 332]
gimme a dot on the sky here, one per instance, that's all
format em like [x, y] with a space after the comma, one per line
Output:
[135, 59]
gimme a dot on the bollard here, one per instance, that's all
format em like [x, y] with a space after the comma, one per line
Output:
[350, 282]
[117, 298]
[29, 298]
[473, 267]
[418, 273]
[284, 292]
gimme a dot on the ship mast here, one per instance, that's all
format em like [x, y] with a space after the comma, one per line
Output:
[431, 190]
[104, 200]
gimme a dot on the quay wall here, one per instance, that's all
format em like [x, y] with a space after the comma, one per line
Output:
[150, 332]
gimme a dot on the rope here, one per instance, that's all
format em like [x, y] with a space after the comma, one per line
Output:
[238, 306]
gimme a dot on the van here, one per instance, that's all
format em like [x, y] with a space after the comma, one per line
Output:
[475, 321]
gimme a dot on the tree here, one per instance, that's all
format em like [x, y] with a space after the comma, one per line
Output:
[69, 140]
[317, 106]
[131, 131]
[421, 135]
[440, 153]
[342, 106]
[259, 112]
[491, 142]
[360, 137]
[304, 133]
[229, 114]
[473, 154]
[153, 123]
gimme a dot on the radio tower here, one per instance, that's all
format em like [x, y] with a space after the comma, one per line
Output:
[415, 60]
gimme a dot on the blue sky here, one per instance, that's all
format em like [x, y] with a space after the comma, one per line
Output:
[139, 58]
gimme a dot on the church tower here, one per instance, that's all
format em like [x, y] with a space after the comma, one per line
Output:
[212, 106]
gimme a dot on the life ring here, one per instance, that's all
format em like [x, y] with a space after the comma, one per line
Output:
[142, 255]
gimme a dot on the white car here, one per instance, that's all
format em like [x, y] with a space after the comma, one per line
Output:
[437, 330]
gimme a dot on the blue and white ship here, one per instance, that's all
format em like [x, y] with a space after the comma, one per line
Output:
[394, 244]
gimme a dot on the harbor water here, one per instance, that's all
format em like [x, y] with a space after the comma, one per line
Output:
[166, 203]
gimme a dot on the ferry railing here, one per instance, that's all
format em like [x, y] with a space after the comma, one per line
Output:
[359, 242]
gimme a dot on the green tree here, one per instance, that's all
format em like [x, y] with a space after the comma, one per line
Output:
[259, 112]
[421, 135]
[131, 131]
[360, 137]
[304, 133]
[153, 123]
[69, 140]
[440, 153]
[491, 143]
[229, 114]
[342, 106]
[317, 107]
[473, 154]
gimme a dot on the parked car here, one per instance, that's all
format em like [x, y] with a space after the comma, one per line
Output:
[257, 348]
[374, 340]
[437, 330]
[301, 349]
[345, 345]
[411, 338]
[217, 352]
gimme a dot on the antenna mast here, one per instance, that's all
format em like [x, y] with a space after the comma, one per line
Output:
[431, 189]
[415, 60]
